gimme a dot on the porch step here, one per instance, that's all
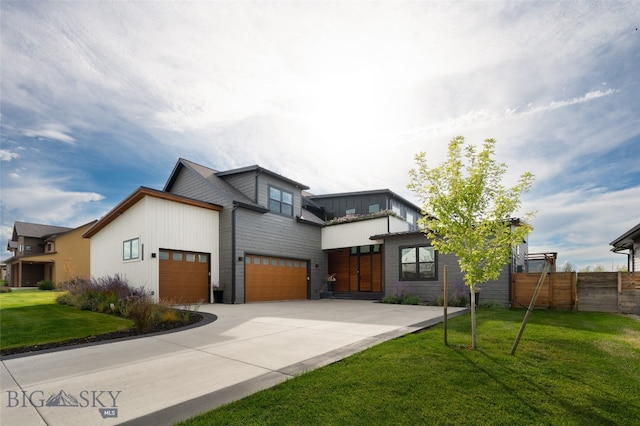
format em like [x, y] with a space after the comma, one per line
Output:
[352, 295]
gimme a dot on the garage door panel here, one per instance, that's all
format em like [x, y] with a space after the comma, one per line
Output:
[272, 278]
[184, 276]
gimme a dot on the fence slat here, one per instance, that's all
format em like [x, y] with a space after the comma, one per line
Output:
[586, 291]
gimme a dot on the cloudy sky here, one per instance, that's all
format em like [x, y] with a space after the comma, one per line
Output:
[98, 99]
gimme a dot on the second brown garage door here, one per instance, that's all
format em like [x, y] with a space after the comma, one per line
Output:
[184, 276]
[274, 278]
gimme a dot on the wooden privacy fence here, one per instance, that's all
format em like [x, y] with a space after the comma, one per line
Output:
[585, 291]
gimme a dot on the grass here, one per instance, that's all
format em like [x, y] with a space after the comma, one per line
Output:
[570, 369]
[32, 317]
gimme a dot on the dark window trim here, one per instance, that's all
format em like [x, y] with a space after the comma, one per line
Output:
[416, 246]
[280, 202]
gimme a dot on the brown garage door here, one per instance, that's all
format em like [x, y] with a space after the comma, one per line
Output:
[184, 276]
[274, 278]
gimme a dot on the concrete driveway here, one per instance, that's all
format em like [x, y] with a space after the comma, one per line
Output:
[161, 379]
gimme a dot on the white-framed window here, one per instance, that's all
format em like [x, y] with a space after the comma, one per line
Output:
[131, 249]
[280, 201]
[351, 211]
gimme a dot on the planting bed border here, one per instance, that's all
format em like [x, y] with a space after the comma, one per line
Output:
[118, 336]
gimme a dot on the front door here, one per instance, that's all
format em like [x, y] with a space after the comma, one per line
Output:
[357, 269]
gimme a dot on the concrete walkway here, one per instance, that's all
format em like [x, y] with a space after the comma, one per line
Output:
[165, 378]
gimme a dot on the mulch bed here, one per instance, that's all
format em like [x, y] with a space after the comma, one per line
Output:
[160, 327]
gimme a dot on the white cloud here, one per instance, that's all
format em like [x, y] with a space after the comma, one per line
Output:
[337, 95]
[49, 134]
[6, 155]
[579, 225]
[41, 202]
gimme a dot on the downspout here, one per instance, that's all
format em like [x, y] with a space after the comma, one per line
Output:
[630, 257]
[233, 253]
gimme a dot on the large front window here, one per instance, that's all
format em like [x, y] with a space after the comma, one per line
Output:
[417, 263]
[280, 201]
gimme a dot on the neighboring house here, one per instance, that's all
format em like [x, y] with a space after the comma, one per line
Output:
[163, 242]
[629, 242]
[45, 252]
[267, 239]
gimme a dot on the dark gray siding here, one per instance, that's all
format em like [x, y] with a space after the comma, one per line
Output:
[337, 207]
[190, 184]
[498, 290]
[264, 181]
[256, 233]
[226, 253]
[279, 236]
[519, 256]
[243, 182]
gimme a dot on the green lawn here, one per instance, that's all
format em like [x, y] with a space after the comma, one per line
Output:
[570, 369]
[31, 317]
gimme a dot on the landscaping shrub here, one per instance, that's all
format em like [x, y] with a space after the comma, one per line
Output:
[46, 285]
[113, 295]
[458, 296]
[4, 287]
[144, 313]
[401, 296]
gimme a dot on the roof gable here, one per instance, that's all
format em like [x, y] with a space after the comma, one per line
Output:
[138, 195]
[218, 186]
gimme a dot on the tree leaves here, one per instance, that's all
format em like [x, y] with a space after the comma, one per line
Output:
[468, 210]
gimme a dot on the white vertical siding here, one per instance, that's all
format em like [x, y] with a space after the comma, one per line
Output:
[353, 233]
[397, 225]
[106, 248]
[159, 224]
[635, 267]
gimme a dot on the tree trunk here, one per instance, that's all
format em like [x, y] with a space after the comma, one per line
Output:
[473, 317]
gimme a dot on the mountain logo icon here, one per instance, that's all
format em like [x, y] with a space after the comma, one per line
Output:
[62, 399]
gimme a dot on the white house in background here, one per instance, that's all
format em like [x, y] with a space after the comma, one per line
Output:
[629, 242]
[167, 243]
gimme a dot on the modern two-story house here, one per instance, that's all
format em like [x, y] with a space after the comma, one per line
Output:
[264, 238]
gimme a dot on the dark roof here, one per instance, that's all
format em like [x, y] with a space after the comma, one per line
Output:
[138, 195]
[258, 169]
[222, 192]
[36, 230]
[370, 192]
[625, 241]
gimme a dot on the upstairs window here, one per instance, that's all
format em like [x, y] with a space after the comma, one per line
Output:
[130, 249]
[374, 208]
[280, 201]
[417, 263]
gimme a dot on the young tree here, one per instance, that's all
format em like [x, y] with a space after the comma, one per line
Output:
[468, 211]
